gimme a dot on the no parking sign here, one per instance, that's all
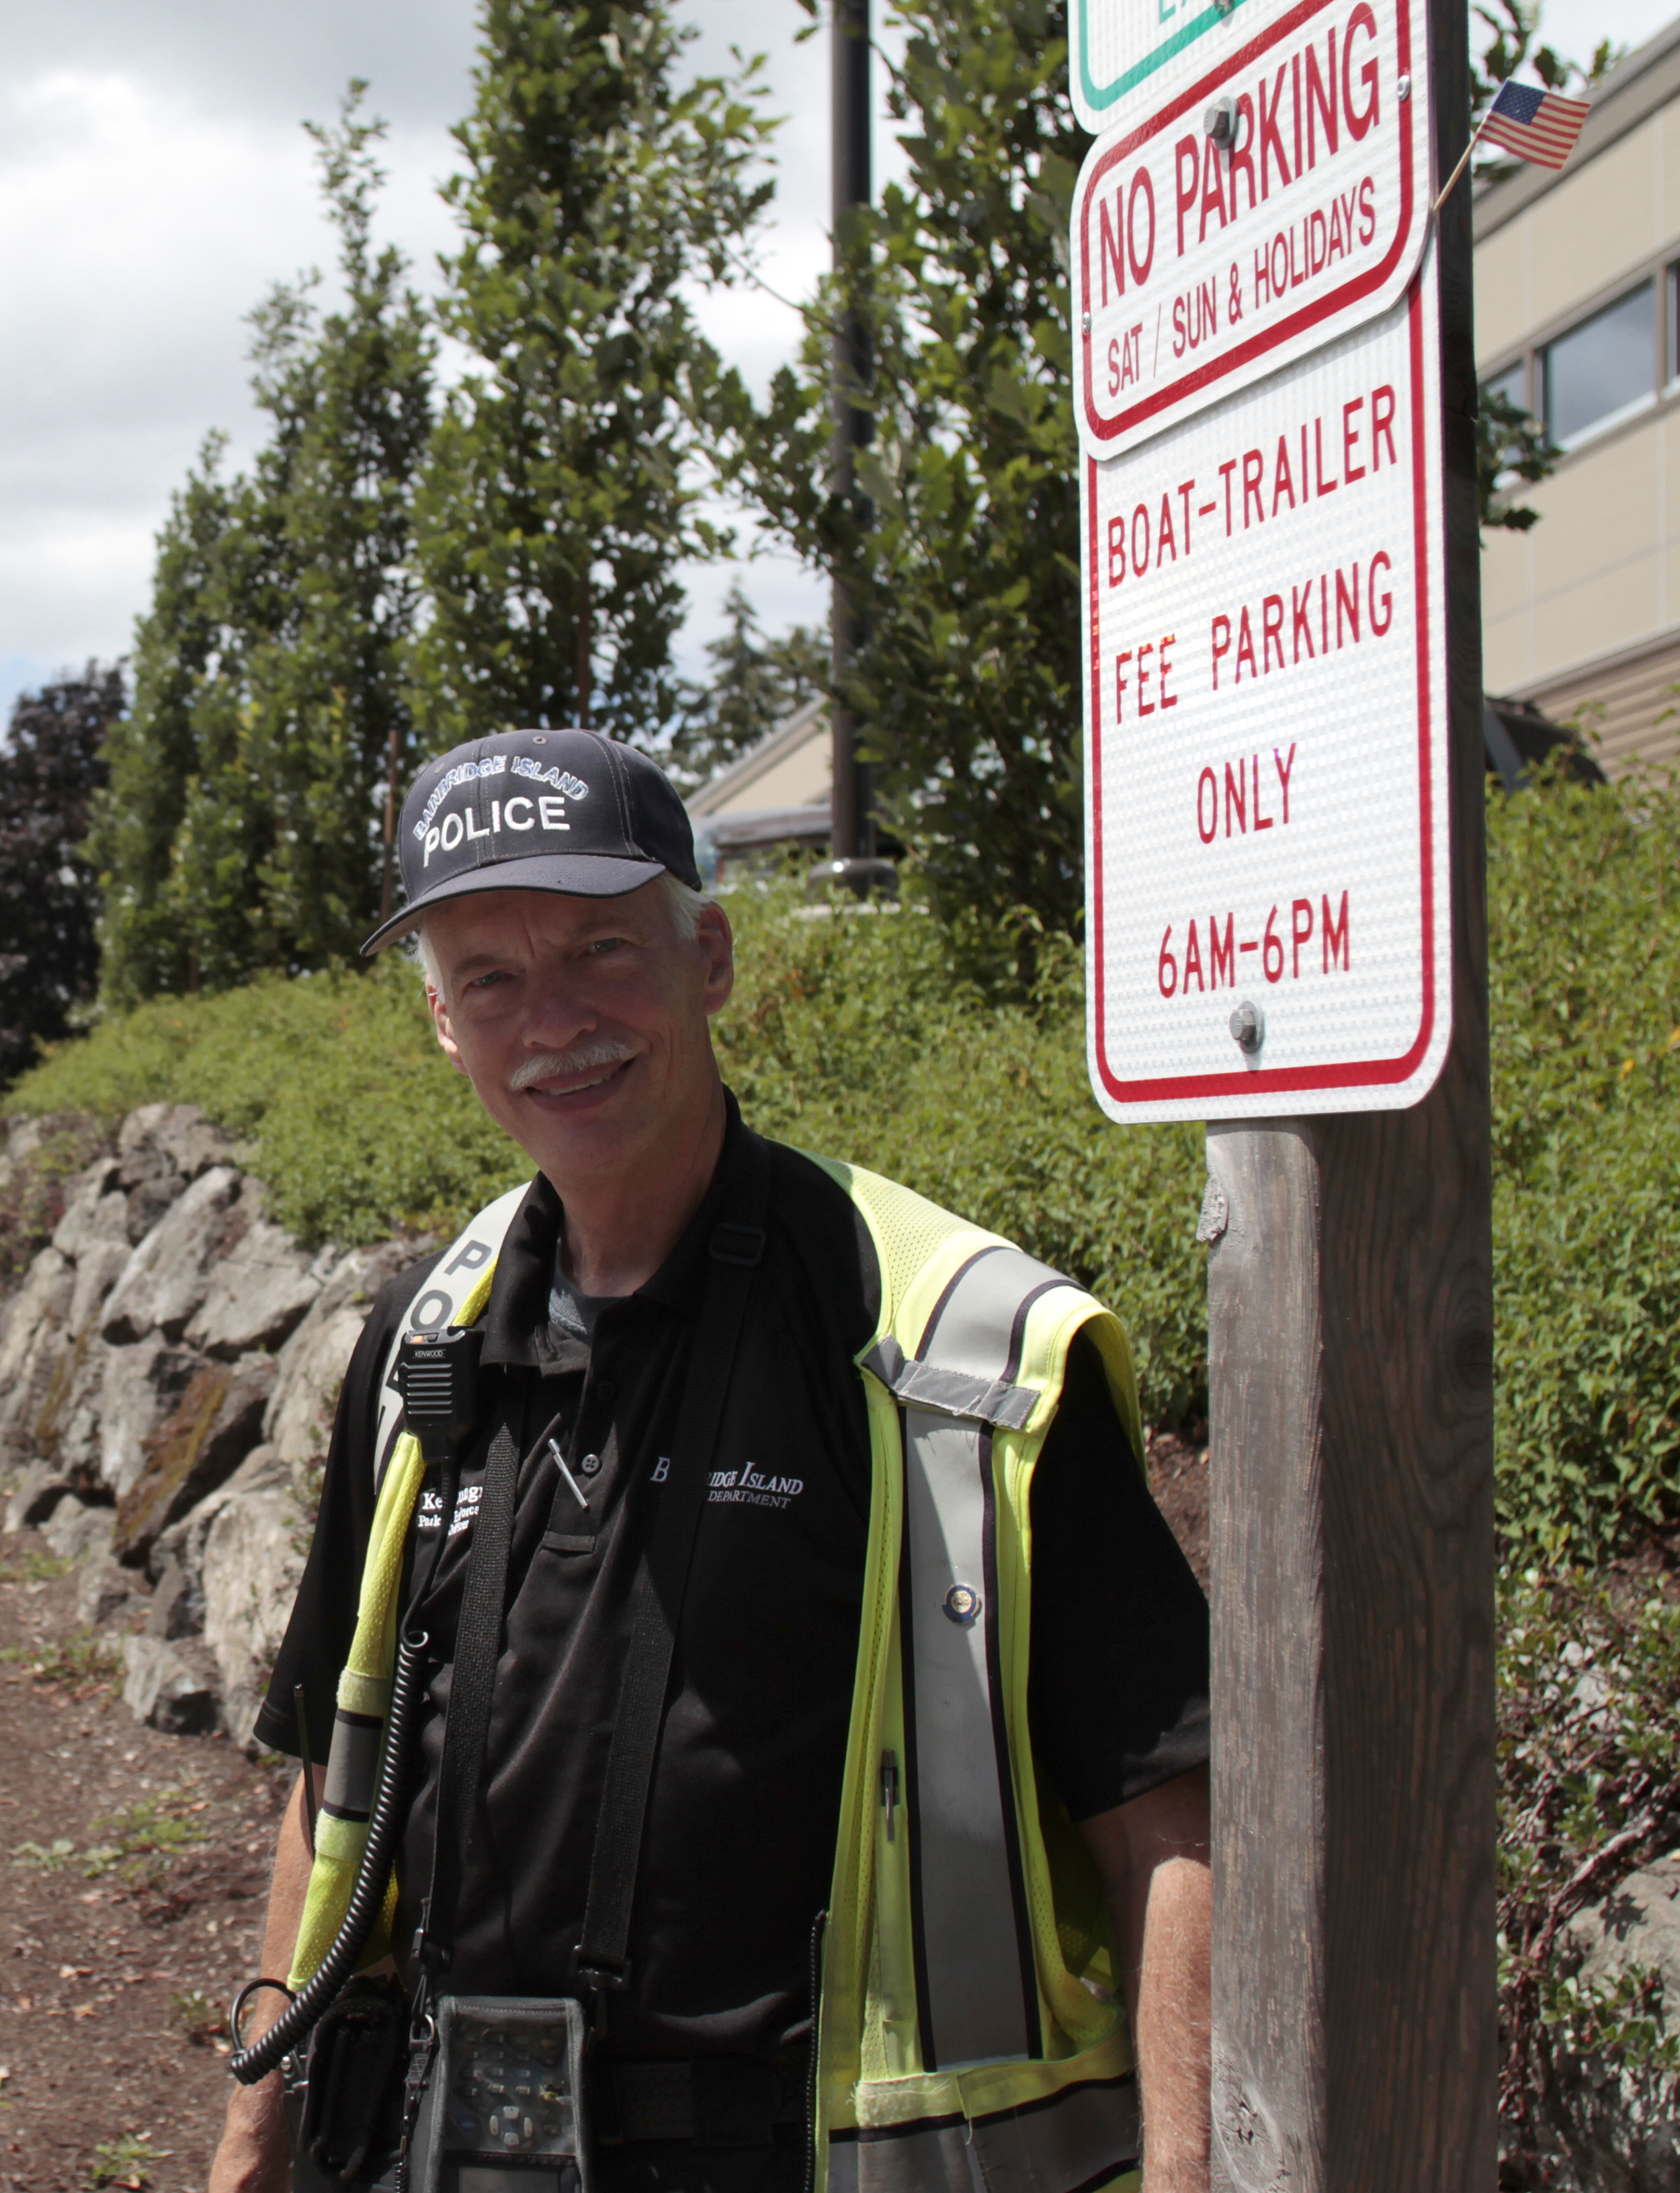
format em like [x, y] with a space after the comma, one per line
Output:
[1267, 746]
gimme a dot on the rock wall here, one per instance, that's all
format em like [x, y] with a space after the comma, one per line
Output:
[168, 1368]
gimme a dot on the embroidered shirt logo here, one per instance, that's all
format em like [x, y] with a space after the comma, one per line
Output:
[751, 1487]
[431, 1509]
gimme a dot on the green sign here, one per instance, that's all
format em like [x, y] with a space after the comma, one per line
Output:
[1120, 44]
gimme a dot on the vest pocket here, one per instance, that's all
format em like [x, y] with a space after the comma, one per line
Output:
[567, 1542]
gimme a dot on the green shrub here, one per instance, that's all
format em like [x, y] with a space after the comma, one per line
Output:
[953, 1059]
[869, 1036]
[335, 1081]
[32, 1194]
[1589, 1791]
[1585, 959]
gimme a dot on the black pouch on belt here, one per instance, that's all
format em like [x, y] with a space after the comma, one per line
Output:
[343, 2100]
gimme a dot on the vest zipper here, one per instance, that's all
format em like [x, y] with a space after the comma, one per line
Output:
[893, 1962]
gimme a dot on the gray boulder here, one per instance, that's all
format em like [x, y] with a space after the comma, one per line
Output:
[93, 1233]
[253, 1558]
[98, 1268]
[91, 1203]
[260, 1291]
[140, 1386]
[1616, 2129]
[172, 1686]
[169, 1274]
[177, 1607]
[32, 1339]
[107, 1595]
[76, 1531]
[23, 1139]
[214, 1426]
[177, 1133]
[37, 1492]
[183, 1542]
[70, 1426]
[313, 1361]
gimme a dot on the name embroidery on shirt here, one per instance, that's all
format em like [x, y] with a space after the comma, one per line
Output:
[431, 1509]
[749, 1487]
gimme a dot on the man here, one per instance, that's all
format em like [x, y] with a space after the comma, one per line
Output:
[862, 1767]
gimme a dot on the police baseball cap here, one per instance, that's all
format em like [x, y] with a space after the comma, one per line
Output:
[538, 811]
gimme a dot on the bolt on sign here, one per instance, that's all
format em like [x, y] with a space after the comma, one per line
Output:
[1262, 208]
[1266, 740]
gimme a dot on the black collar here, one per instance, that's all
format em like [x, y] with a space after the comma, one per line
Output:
[515, 1325]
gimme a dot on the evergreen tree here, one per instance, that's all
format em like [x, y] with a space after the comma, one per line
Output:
[152, 754]
[244, 824]
[755, 686]
[962, 546]
[50, 769]
[558, 500]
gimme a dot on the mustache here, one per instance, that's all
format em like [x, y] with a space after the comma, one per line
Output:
[562, 1065]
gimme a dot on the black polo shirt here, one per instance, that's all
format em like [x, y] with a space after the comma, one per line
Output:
[738, 1847]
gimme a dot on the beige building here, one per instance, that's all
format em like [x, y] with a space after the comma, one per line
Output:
[1577, 300]
[776, 796]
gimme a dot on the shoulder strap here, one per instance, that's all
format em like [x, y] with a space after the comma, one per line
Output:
[445, 1296]
[472, 1682]
[736, 1248]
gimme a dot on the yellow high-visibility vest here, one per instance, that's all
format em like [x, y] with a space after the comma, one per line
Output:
[970, 2034]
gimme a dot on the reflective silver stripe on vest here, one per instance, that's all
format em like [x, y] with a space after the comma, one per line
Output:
[977, 1995]
[444, 1289]
[1071, 2142]
[952, 1393]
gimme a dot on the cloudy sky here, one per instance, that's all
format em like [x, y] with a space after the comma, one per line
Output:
[155, 181]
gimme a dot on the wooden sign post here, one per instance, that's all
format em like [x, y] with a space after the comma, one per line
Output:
[1275, 393]
[1355, 2013]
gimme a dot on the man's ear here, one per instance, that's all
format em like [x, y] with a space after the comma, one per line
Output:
[440, 1022]
[716, 943]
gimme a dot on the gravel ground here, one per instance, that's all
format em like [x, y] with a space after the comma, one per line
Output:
[115, 1970]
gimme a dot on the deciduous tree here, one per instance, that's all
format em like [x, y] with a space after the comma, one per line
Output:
[49, 768]
[962, 546]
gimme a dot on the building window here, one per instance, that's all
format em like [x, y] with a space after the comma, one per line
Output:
[1512, 384]
[1602, 370]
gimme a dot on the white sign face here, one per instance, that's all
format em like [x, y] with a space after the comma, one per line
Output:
[1123, 51]
[1198, 269]
[1267, 745]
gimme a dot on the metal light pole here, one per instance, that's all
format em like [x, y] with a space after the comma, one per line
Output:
[854, 865]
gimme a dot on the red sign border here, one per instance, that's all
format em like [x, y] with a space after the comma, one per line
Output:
[1365, 1073]
[1310, 315]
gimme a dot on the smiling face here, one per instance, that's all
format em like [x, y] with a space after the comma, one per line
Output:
[584, 1024]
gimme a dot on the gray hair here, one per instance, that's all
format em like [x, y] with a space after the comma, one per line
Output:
[686, 905]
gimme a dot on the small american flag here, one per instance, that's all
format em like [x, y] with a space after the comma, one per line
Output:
[1541, 126]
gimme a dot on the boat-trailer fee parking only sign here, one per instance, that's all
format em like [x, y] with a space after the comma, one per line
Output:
[1266, 736]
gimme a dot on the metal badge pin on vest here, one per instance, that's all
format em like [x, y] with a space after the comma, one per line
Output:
[578, 1492]
[962, 1606]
